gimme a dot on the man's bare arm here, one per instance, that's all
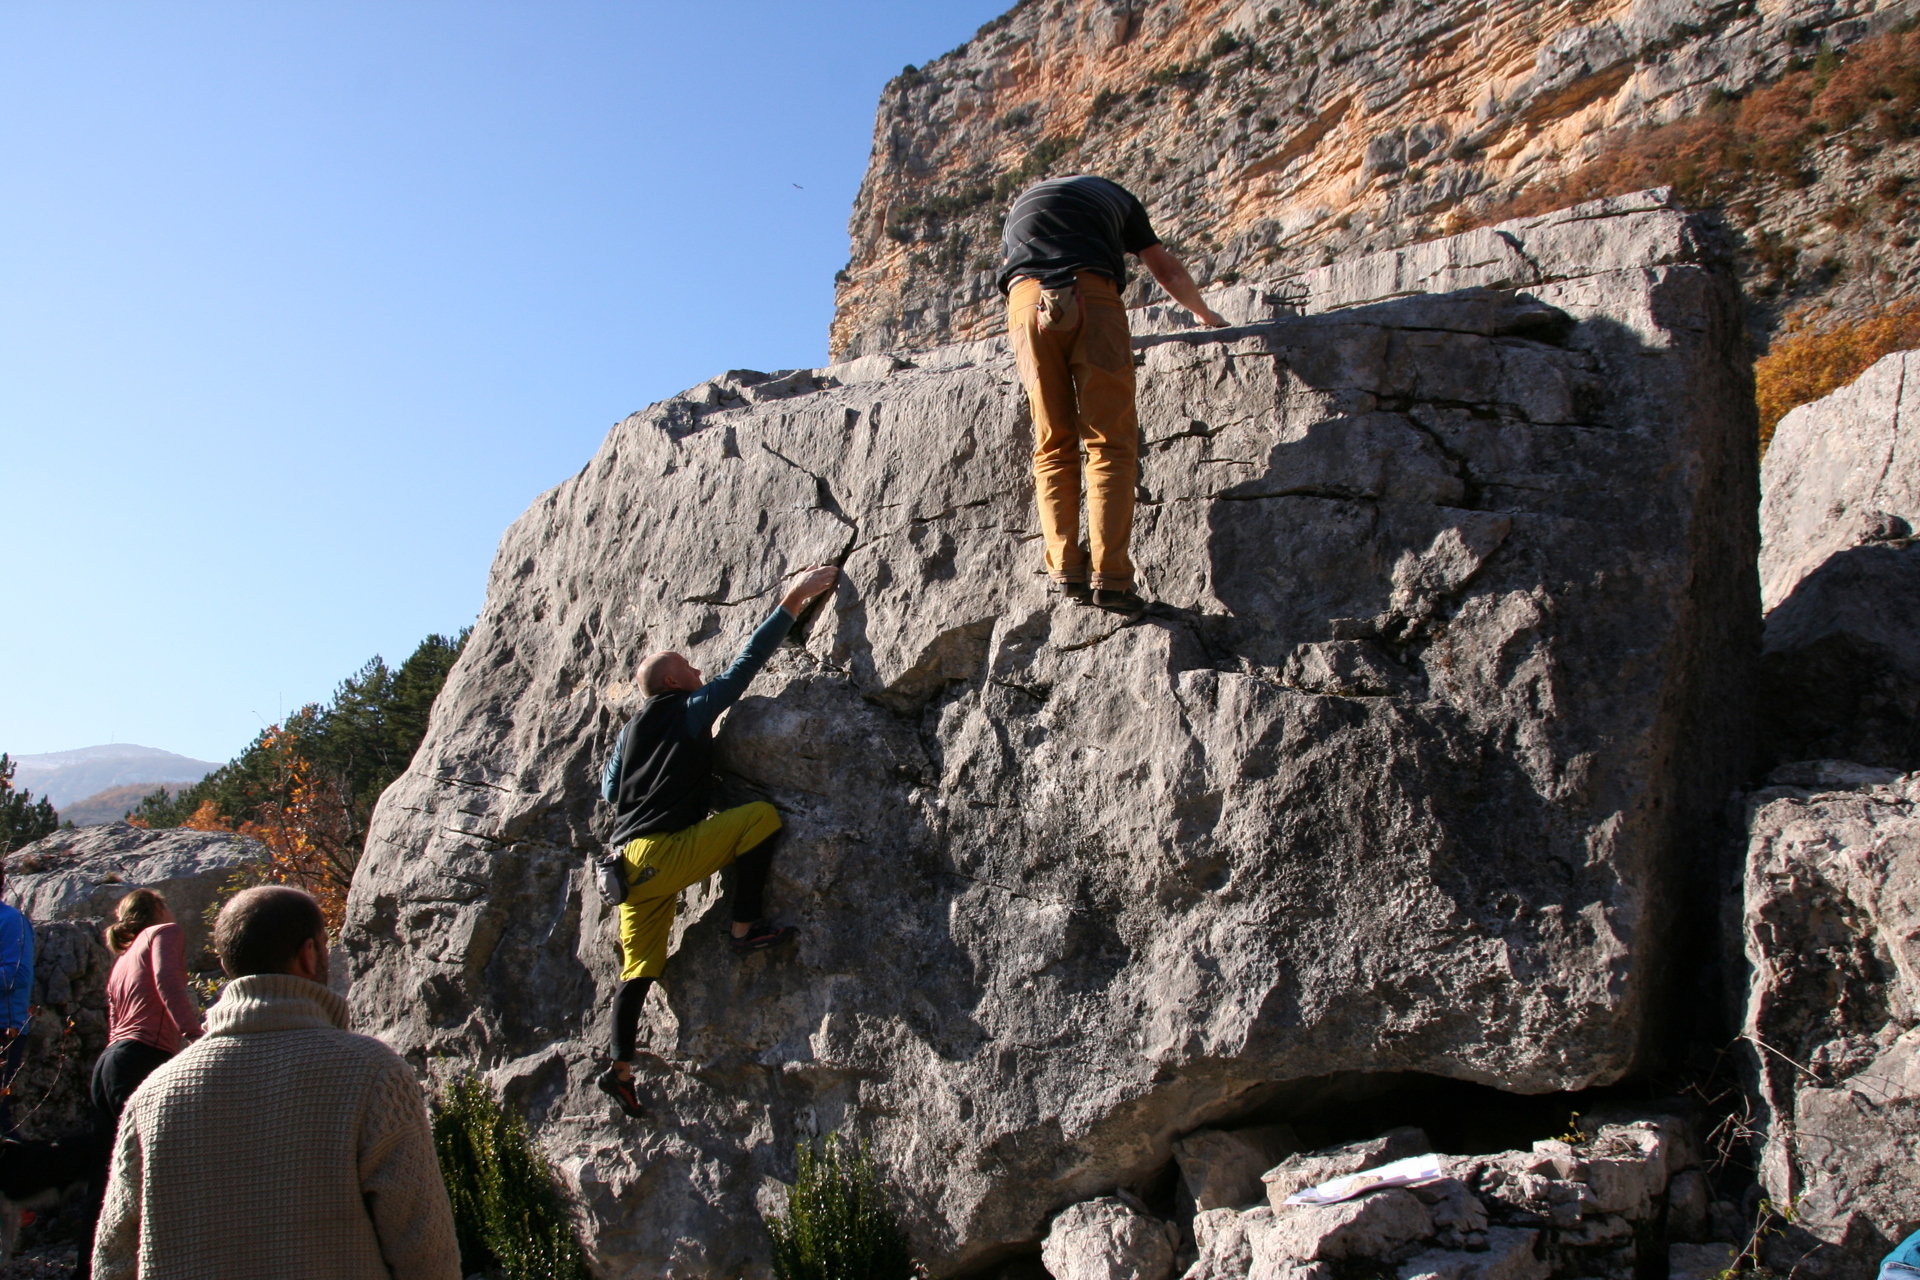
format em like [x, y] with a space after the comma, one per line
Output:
[1173, 277]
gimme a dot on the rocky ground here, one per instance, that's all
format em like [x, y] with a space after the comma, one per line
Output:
[1596, 1202]
[48, 1262]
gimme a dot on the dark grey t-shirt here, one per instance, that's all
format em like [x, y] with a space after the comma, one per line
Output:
[1071, 224]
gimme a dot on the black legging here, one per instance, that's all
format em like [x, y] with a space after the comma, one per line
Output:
[626, 1016]
[121, 1068]
[745, 906]
[750, 879]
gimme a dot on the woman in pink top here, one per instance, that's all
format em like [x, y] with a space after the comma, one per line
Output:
[147, 1000]
[149, 1016]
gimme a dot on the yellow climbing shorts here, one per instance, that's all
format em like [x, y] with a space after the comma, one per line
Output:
[659, 866]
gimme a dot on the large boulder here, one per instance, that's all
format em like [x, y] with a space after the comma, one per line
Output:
[1840, 471]
[1832, 925]
[71, 964]
[1840, 574]
[82, 873]
[68, 884]
[1445, 683]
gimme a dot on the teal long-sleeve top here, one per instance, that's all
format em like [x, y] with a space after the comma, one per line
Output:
[705, 704]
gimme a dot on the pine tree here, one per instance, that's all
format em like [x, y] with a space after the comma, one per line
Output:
[22, 818]
[307, 786]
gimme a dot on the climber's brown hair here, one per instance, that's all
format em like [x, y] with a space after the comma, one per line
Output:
[139, 910]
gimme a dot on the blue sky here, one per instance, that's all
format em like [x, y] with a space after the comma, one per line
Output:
[302, 304]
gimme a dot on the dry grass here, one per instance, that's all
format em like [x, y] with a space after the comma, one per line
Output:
[1806, 363]
[1874, 88]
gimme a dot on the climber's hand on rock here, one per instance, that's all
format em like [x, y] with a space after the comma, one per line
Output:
[810, 584]
[1208, 316]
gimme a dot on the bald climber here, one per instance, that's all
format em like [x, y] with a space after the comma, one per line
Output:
[660, 783]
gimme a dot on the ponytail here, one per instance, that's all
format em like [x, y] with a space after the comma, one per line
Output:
[137, 911]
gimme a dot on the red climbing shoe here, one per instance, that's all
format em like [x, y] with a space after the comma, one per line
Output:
[620, 1089]
[762, 936]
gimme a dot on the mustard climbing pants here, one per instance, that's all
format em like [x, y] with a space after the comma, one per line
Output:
[659, 866]
[1080, 388]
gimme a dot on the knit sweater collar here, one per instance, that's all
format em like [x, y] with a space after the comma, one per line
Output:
[274, 1002]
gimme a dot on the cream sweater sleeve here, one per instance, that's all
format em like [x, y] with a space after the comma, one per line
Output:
[400, 1178]
[116, 1241]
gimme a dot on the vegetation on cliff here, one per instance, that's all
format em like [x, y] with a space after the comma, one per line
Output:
[838, 1224]
[1812, 361]
[506, 1210]
[1866, 97]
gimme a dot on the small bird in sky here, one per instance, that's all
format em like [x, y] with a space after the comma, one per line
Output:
[798, 187]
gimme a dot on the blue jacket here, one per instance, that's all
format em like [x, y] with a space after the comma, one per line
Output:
[16, 967]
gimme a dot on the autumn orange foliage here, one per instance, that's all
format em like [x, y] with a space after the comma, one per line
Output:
[1807, 363]
[207, 818]
[1707, 157]
[307, 829]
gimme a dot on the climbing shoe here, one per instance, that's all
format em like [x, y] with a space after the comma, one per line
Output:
[1073, 592]
[762, 936]
[1119, 601]
[620, 1089]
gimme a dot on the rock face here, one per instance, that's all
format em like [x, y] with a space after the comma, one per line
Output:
[1108, 1239]
[1840, 573]
[1832, 912]
[1842, 471]
[68, 884]
[82, 874]
[1456, 602]
[1270, 136]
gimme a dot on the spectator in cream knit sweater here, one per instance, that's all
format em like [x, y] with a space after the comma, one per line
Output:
[280, 1144]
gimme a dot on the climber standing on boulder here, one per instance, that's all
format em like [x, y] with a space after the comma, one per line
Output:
[660, 783]
[1065, 247]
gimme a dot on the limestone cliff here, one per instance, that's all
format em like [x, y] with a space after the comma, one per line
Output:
[1457, 603]
[1269, 136]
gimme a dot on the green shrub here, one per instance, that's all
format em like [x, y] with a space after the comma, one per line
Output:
[838, 1225]
[505, 1207]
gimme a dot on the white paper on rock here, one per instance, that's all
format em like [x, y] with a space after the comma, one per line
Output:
[1401, 1173]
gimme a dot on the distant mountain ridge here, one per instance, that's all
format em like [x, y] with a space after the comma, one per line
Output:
[114, 803]
[66, 776]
